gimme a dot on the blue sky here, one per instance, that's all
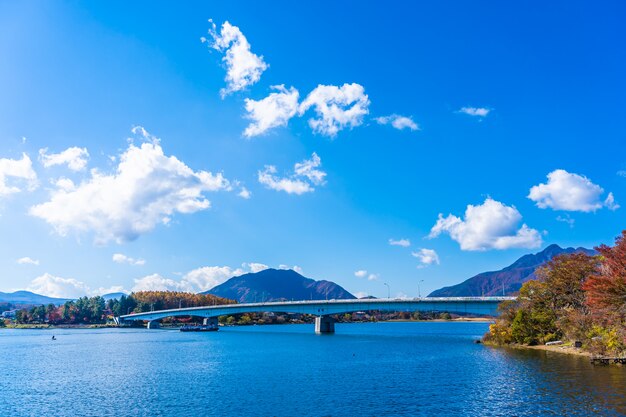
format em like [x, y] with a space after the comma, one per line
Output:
[392, 120]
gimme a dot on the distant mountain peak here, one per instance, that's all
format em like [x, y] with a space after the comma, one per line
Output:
[509, 279]
[278, 285]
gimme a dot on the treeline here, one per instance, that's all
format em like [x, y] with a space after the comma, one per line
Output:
[575, 298]
[95, 310]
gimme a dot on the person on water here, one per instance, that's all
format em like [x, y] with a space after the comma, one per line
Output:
[54, 337]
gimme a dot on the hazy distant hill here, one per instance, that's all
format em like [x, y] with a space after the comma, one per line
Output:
[277, 285]
[513, 276]
[113, 295]
[29, 298]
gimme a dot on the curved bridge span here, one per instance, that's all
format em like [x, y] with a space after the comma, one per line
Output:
[323, 309]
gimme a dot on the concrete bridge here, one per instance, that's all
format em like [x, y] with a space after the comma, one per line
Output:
[324, 309]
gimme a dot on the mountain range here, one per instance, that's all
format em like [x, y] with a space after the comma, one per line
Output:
[506, 281]
[29, 298]
[278, 285]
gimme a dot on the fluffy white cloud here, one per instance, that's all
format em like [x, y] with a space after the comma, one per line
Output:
[361, 273]
[427, 256]
[75, 158]
[207, 277]
[255, 266]
[570, 192]
[491, 225]
[27, 261]
[244, 193]
[146, 189]
[54, 286]
[273, 111]
[243, 68]
[197, 280]
[120, 258]
[405, 243]
[336, 107]
[21, 169]
[308, 169]
[398, 122]
[475, 111]
[156, 282]
[360, 294]
[306, 174]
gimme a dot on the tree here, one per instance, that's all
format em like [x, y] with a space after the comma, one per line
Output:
[606, 289]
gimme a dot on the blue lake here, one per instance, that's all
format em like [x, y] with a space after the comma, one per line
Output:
[369, 369]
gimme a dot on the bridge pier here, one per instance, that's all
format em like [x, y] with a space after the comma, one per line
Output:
[210, 321]
[324, 324]
[153, 324]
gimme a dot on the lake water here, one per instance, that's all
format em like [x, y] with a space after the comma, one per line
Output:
[369, 369]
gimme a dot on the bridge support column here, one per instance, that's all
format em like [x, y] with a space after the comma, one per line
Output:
[210, 321]
[154, 324]
[324, 324]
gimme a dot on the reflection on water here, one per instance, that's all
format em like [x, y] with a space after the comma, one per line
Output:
[373, 369]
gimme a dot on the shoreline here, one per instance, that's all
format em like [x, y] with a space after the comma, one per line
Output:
[560, 349]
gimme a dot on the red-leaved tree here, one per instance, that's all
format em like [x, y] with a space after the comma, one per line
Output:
[606, 289]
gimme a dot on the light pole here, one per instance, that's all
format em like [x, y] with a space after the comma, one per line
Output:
[419, 294]
[388, 290]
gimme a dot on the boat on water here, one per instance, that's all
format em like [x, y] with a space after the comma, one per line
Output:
[199, 328]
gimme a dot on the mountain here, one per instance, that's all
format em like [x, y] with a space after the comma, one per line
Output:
[278, 285]
[512, 277]
[29, 298]
[113, 296]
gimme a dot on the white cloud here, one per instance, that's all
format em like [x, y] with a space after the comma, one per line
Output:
[360, 294]
[306, 174]
[21, 169]
[255, 266]
[364, 274]
[54, 286]
[146, 189]
[405, 243]
[491, 225]
[566, 219]
[570, 192]
[120, 258]
[59, 287]
[622, 173]
[610, 202]
[65, 184]
[427, 256]
[156, 282]
[336, 107]
[294, 268]
[273, 111]
[197, 280]
[398, 122]
[207, 277]
[75, 158]
[27, 261]
[308, 169]
[243, 68]
[244, 193]
[108, 290]
[475, 111]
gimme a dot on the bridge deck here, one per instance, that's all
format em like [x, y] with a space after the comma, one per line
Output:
[485, 306]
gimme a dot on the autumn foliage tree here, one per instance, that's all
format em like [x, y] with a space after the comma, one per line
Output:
[606, 295]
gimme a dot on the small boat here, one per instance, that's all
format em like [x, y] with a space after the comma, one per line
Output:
[200, 328]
